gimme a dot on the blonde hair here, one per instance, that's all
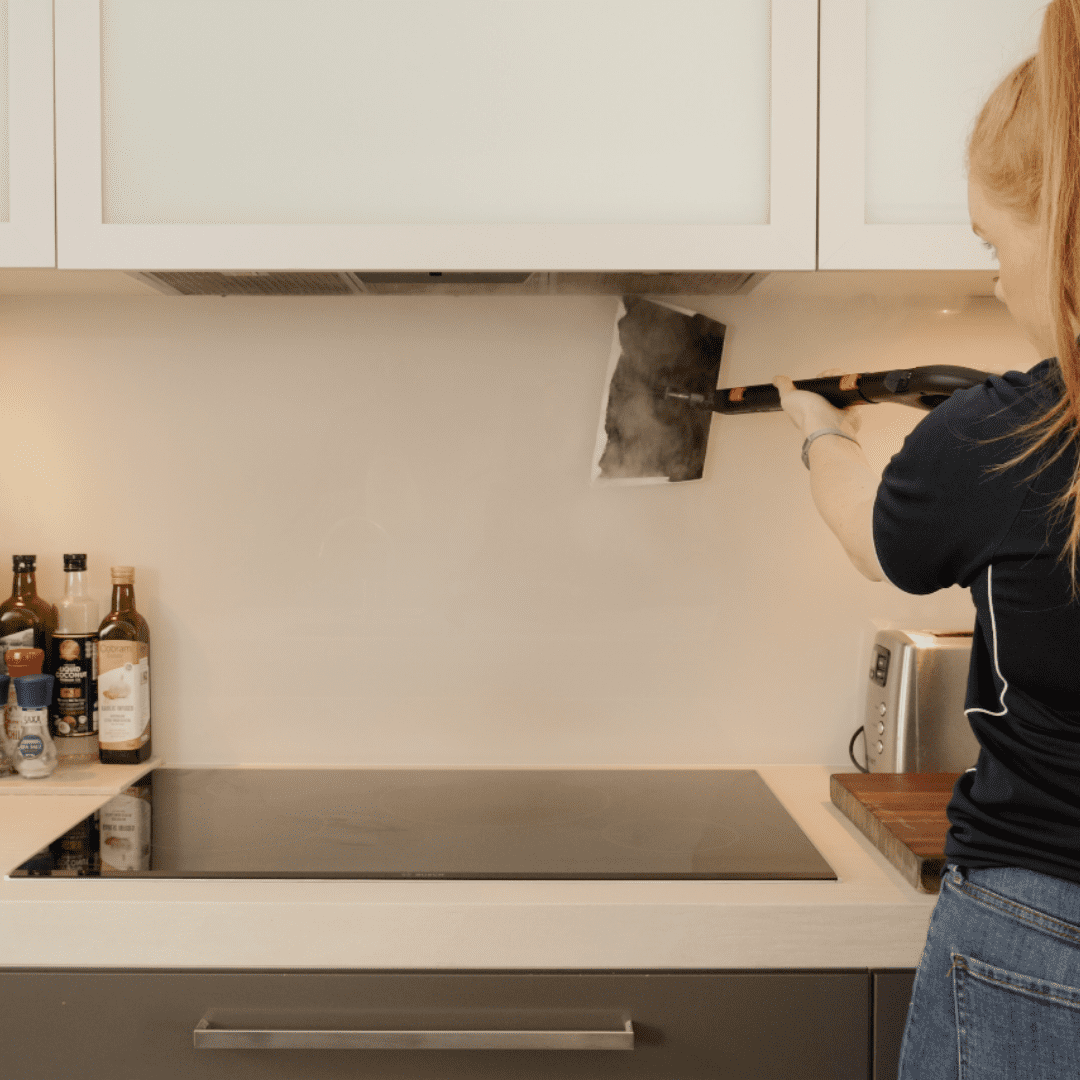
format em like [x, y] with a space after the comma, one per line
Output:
[1025, 152]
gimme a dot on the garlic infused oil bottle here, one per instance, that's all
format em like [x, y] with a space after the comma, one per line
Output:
[123, 676]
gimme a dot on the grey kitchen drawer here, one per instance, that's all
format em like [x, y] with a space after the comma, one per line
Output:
[140, 1025]
[892, 996]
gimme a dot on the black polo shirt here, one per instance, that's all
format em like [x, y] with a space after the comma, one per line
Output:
[940, 519]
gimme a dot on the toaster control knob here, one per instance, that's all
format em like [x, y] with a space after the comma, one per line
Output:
[880, 747]
[882, 708]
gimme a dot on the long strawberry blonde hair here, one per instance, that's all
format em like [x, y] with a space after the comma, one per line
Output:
[1025, 152]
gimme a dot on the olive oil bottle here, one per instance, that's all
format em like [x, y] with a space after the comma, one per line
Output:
[123, 652]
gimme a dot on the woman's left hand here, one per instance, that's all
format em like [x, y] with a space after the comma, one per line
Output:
[810, 412]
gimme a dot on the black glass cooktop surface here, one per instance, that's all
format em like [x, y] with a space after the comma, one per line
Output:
[438, 823]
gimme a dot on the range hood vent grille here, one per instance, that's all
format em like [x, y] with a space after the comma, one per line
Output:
[449, 283]
[271, 283]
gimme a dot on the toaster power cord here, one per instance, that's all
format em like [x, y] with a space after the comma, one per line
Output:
[851, 749]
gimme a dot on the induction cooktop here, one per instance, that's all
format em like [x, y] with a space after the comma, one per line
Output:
[438, 823]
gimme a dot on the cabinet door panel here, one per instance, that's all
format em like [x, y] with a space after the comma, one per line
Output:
[902, 82]
[121, 1025]
[420, 112]
[27, 236]
[5, 100]
[929, 68]
[478, 134]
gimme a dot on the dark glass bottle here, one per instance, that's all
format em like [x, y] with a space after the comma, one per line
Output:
[123, 676]
[24, 611]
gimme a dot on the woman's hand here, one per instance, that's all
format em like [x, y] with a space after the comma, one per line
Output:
[810, 412]
[842, 483]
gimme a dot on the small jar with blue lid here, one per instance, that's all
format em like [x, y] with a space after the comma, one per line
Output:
[35, 754]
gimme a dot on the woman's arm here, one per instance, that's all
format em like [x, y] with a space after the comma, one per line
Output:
[842, 483]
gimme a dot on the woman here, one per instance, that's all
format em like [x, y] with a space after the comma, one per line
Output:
[986, 493]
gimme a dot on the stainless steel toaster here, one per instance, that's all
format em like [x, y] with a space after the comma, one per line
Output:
[914, 719]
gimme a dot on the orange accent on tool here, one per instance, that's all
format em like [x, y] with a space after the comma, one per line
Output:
[849, 382]
[736, 394]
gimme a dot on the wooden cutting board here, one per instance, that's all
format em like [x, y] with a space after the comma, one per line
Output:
[903, 814]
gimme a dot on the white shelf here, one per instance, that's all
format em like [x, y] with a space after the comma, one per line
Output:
[80, 778]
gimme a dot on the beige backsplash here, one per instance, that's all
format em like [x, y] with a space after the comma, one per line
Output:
[364, 529]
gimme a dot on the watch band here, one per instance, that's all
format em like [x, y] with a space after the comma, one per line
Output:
[817, 434]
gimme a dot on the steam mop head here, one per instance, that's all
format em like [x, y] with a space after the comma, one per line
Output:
[659, 354]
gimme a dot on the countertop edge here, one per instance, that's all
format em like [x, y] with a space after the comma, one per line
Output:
[869, 917]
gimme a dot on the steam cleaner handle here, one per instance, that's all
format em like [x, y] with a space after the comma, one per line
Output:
[920, 387]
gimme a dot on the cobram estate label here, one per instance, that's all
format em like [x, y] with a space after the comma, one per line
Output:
[123, 694]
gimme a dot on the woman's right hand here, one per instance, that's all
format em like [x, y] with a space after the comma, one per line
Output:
[810, 412]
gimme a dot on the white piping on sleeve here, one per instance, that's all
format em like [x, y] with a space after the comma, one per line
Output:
[997, 667]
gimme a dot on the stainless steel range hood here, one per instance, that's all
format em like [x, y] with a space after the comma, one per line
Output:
[448, 283]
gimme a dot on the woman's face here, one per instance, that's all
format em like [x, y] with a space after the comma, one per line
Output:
[1022, 282]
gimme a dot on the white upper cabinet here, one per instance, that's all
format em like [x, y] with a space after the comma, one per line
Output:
[436, 134]
[902, 82]
[27, 219]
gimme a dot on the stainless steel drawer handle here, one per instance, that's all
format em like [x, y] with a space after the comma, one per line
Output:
[212, 1038]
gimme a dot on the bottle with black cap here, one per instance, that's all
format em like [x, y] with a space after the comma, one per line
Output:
[27, 622]
[73, 712]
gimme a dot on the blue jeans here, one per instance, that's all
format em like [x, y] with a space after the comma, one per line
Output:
[997, 992]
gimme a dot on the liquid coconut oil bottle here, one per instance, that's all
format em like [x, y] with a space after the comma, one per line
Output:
[73, 714]
[123, 676]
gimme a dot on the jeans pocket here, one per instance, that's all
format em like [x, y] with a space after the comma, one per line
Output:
[1012, 1026]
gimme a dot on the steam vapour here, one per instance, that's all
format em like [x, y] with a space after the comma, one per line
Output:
[644, 437]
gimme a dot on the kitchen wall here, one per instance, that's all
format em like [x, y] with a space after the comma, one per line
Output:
[365, 532]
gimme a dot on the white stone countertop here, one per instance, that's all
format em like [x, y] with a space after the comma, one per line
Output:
[869, 918]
